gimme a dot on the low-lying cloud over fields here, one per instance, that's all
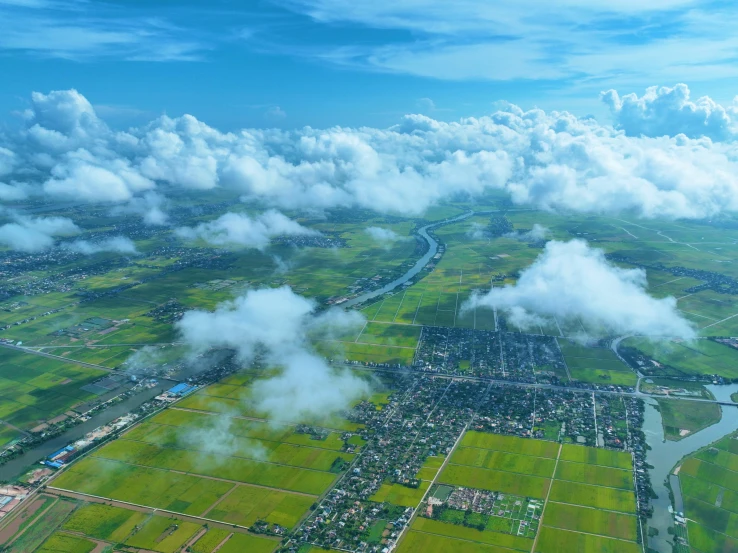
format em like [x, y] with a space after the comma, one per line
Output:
[674, 157]
[238, 229]
[572, 282]
[277, 325]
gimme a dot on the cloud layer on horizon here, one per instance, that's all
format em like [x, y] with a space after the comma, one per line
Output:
[548, 160]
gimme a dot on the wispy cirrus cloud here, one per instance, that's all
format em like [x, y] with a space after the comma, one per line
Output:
[81, 31]
[576, 40]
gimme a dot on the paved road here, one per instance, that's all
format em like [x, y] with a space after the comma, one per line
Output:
[57, 357]
[541, 386]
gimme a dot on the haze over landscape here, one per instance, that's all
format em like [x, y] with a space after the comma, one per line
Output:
[307, 275]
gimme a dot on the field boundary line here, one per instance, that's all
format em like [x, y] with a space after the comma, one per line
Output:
[718, 322]
[592, 534]
[468, 540]
[179, 448]
[592, 508]
[545, 501]
[404, 295]
[154, 510]
[219, 500]
[360, 333]
[219, 479]
[505, 452]
[417, 309]
[35, 519]
[123, 436]
[595, 508]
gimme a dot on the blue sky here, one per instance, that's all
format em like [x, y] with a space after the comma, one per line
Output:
[291, 63]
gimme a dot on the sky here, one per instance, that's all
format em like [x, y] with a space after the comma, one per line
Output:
[322, 63]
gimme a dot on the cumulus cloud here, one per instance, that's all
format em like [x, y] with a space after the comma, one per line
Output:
[35, 234]
[117, 244]
[277, 325]
[538, 233]
[151, 207]
[549, 160]
[384, 236]
[237, 229]
[664, 111]
[571, 282]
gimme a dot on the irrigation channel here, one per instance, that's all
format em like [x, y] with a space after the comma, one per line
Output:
[665, 454]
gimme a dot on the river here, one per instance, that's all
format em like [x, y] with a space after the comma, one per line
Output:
[422, 262]
[18, 466]
[664, 455]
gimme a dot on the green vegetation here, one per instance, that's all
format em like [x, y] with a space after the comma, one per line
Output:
[247, 504]
[510, 462]
[34, 389]
[419, 542]
[593, 496]
[397, 494]
[240, 543]
[439, 528]
[698, 358]
[592, 521]
[162, 534]
[104, 522]
[493, 480]
[555, 539]
[593, 474]
[681, 418]
[210, 540]
[60, 542]
[510, 444]
[596, 456]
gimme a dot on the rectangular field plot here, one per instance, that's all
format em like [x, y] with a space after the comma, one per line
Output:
[591, 521]
[596, 456]
[593, 496]
[164, 535]
[104, 522]
[420, 542]
[510, 462]
[487, 498]
[554, 540]
[438, 528]
[390, 335]
[224, 467]
[592, 474]
[161, 489]
[511, 444]
[494, 480]
[247, 504]
[247, 543]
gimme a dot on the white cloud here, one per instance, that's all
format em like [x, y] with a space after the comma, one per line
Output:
[384, 236]
[150, 207]
[572, 282]
[536, 234]
[548, 160]
[668, 111]
[278, 324]
[35, 234]
[117, 244]
[237, 229]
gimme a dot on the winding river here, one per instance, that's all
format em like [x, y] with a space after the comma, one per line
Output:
[419, 266]
[664, 455]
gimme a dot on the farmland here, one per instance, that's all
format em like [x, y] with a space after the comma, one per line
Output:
[503, 493]
[35, 389]
[83, 527]
[710, 490]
